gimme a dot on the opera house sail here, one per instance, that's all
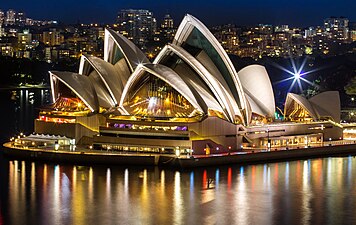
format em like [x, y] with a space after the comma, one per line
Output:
[189, 99]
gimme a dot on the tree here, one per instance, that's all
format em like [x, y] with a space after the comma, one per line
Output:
[350, 88]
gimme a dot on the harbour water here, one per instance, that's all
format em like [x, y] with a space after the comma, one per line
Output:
[19, 107]
[316, 191]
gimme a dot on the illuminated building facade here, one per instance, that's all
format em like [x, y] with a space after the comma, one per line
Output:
[167, 22]
[227, 36]
[189, 98]
[10, 17]
[52, 37]
[167, 27]
[337, 27]
[2, 17]
[21, 18]
[24, 38]
[138, 25]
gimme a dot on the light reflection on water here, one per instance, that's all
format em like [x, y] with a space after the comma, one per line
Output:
[317, 191]
[20, 107]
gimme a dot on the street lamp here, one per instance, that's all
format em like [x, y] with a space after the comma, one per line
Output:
[322, 135]
[306, 141]
[268, 141]
[177, 151]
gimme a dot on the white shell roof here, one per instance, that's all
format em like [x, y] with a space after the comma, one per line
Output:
[110, 77]
[185, 29]
[166, 74]
[303, 102]
[327, 104]
[104, 97]
[257, 86]
[80, 85]
[221, 92]
[133, 55]
[254, 107]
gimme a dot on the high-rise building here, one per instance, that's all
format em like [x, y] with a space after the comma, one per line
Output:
[282, 28]
[228, 38]
[138, 25]
[24, 38]
[337, 28]
[167, 27]
[10, 17]
[353, 35]
[352, 28]
[2, 31]
[52, 37]
[21, 18]
[167, 22]
[310, 32]
[2, 17]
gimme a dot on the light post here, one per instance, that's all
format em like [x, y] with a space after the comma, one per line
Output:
[177, 151]
[268, 142]
[56, 146]
[306, 141]
[322, 135]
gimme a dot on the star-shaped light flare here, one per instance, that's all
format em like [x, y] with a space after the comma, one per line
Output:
[296, 75]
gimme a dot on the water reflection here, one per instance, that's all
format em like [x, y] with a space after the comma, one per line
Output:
[20, 107]
[307, 194]
[318, 191]
[177, 200]
[25, 102]
[241, 199]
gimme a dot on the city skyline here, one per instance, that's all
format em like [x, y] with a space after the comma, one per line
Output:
[245, 13]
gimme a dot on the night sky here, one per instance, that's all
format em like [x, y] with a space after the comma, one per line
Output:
[211, 12]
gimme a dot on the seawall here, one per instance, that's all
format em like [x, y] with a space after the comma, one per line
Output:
[273, 156]
[171, 161]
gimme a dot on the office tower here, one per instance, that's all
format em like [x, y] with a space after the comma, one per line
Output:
[52, 37]
[337, 28]
[167, 27]
[24, 38]
[138, 25]
[167, 22]
[2, 17]
[10, 17]
[21, 18]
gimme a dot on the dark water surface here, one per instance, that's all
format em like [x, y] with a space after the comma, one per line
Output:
[19, 107]
[317, 191]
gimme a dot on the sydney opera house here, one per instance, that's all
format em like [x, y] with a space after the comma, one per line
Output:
[189, 98]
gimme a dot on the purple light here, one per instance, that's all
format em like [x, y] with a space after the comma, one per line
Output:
[182, 128]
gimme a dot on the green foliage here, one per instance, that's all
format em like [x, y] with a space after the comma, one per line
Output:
[15, 71]
[350, 88]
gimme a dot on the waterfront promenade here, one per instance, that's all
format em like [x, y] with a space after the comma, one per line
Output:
[84, 155]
